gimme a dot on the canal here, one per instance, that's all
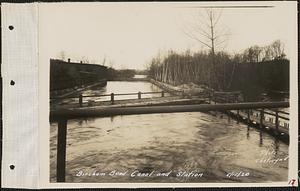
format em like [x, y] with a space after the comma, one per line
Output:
[122, 87]
[116, 87]
[177, 147]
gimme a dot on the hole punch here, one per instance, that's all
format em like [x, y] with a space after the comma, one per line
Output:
[11, 27]
[12, 167]
[12, 82]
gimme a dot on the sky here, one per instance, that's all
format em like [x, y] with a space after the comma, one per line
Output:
[129, 35]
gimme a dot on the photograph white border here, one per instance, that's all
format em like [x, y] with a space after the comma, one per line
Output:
[13, 137]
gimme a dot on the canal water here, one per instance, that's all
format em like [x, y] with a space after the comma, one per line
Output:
[122, 87]
[117, 87]
[177, 147]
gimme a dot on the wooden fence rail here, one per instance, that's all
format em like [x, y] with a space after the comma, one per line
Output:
[112, 96]
[274, 114]
[104, 95]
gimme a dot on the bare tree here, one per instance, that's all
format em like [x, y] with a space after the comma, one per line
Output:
[85, 59]
[62, 55]
[272, 51]
[110, 64]
[207, 31]
[277, 48]
[253, 54]
[104, 61]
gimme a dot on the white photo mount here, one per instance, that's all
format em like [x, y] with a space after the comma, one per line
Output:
[25, 141]
[20, 146]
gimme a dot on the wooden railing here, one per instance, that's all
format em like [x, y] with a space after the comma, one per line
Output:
[261, 116]
[112, 96]
[221, 97]
[234, 97]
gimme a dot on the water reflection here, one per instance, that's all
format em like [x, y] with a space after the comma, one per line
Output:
[276, 146]
[140, 76]
[248, 132]
[112, 118]
[260, 138]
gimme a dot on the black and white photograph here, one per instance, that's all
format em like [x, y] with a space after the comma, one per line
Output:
[168, 92]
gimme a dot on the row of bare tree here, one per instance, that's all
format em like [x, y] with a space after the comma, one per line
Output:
[264, 53]
[216, 70]
[213, 67]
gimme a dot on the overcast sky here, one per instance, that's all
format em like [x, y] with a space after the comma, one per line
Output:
[130, 34]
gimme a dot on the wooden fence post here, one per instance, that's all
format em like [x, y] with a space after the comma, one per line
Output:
[261, 118]
[80, 100]
[139, 95]
[248, 116]
[112, 98]
[61, 151]
[276, 120]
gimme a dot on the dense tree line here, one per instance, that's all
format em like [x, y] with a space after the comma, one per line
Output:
[256, 53]
[266, 65]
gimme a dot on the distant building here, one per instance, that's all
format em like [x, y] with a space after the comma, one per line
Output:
[69, 74]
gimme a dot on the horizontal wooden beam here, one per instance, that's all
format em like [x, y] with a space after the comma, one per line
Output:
[106, 95]
[112, 111]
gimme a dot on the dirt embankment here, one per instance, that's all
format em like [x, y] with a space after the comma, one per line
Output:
[183, 89]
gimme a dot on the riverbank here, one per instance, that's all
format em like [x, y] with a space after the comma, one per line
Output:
[189, 89]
